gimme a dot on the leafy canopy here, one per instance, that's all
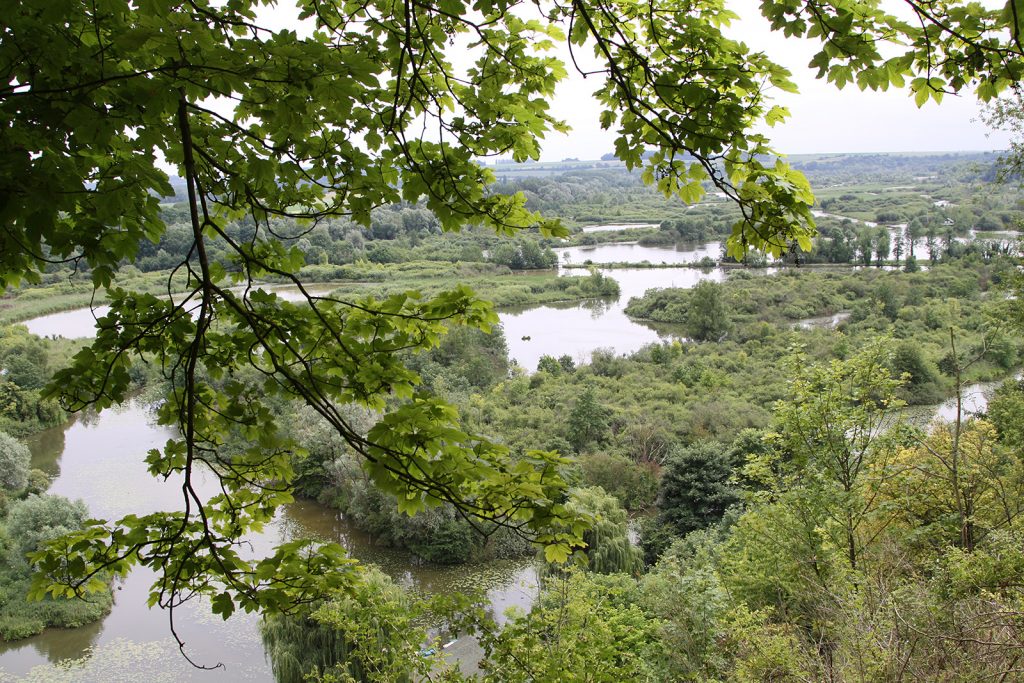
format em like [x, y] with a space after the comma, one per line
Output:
[368, 106]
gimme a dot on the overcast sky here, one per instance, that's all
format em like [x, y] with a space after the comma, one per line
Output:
[824, 119]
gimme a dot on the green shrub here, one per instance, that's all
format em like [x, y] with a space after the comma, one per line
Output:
[14, 463]
[633, 484]
[38, 482]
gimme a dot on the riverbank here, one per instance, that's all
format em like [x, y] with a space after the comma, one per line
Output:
[707, 262]
[678, 392]
[501, 286]
[101, 460]
[28, 302]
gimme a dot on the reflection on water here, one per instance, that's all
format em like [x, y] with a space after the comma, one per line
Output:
[101, 460]
[615, 227]
[975, 400]
[576, 329]
[629, 252]
[124, 659]
[77, 324]
[573, 330]
[46, 448]
[69, 643]
[80, 323]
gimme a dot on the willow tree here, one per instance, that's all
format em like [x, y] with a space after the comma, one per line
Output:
[608, 548]
[364, 105]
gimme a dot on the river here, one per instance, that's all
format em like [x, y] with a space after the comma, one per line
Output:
[100, 460]
[80, 323]
[573, 328]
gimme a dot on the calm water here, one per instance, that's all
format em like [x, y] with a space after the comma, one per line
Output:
[77, 324]
[576, 329]
[100, 460]
[975, 400]
[615, 227]
[628, 252]
[80, 323]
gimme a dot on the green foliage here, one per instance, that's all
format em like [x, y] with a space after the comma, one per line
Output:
[14, 463]
[958, 484]
[922, 383]
[633, 484]
[437, 534]
[831, 428]
[25, 361]
[672, 393]
[655, 538]
[298, 646]
[327, 124]
[466, 358]
[1006, 113]
[38, 482]
[556, 366]
[585, 627]
[707, 635]
[41, 518]
[440, 535]
[370, 635]
[21, 618]
[29, 524]
[695, 490]
[587, 422]
[608, 549]
[707, 317]
[524, 255]
[1006, 412]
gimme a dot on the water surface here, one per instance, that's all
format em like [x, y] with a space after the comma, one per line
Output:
[616, 227]
[631, 252]
[100, 459]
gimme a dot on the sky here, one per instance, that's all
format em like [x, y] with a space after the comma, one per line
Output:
[823, 119]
